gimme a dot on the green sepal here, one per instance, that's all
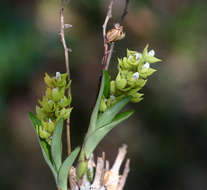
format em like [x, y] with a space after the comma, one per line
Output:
[49, 81]
[93, 140]
[62, 179]
[106, 117]
[152, 59]
[147, 72]
[44, 147]
[56, 145]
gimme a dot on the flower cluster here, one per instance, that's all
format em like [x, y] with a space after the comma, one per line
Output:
[54, 105]
[133, 71]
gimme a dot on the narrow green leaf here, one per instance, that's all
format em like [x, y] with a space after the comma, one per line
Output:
[56, 146]
[45, 149]
[106, 85]
[110, 113]
[94, 114]
[62, 179]
[94, 139]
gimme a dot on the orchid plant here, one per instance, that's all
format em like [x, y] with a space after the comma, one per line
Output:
[55, 108]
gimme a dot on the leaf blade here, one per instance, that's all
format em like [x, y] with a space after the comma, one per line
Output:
[64, 169]
[56, 145]
[94, 139]
[110, 113]
[94, 114]
[35, 121]
[106, 85]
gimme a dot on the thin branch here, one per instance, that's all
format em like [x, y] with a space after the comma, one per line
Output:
[108, 16]
[63, 26]
[108, 54]
[125, 11]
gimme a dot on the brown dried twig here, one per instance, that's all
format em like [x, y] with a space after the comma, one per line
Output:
[64, 26]
[108, 53]
[125, 11]
[108, 16]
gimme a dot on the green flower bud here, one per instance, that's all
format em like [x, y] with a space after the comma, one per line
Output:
[48, 105]
[147, 72]
[43, 133]
[49, 81]
[132, 78]
[112, 100]
[64, 102]
[49, 93]
[51, 126]
[57, 93]
[61, 80]
[103, 105]
[136, 97]
[120, 82]
[112, 87]
[149, 56]
[64, 113]
[140, 84]
[41, 114]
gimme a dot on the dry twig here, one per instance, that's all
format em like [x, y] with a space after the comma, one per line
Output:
[63, 26]
[108, 53]
[124, 176]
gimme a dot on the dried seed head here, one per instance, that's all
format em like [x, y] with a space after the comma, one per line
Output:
[115, 33]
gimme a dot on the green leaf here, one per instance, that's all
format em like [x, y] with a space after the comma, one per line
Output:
[62, 179]
[106, 85]
[56, 146]
[45, 149]
[110, 113]
[94, 139]
[94, 114]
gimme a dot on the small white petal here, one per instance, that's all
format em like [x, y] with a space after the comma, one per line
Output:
[130, 57]
[58, 75]
[146, 66]
[151, 52]
[136, 75]
[137, 55]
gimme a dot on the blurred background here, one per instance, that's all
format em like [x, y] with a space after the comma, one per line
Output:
[167, 135]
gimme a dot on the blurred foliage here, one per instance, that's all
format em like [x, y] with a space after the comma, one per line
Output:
[167, 138]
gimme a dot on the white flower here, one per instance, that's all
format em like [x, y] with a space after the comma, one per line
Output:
[57, 75]
[137, 55]
[146, 66]
[152, 53]
[135, 75]
[130, 57]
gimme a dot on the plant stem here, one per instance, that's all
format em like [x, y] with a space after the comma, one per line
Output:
[66, 50]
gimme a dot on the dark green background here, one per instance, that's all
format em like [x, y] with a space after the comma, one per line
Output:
[167, 135]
